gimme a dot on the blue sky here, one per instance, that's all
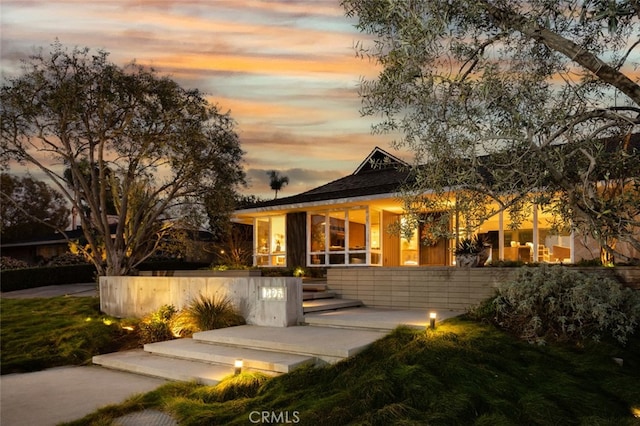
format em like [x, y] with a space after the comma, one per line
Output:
[285, 69]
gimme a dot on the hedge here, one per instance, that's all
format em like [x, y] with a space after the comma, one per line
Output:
[20, 279]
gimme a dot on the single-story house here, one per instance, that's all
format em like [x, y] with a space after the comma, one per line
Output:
[345, 222]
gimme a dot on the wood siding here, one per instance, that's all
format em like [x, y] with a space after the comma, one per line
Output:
[296, 239]
[390, 243]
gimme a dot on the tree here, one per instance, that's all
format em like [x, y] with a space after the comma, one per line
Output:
[276, 182]
[506, 103]
[30, 208]
[130, 139]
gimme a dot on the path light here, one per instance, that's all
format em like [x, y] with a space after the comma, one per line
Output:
[237, 365]
[432, 320]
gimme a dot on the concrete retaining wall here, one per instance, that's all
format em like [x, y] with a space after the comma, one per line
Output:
[433, 287]
[258, 298]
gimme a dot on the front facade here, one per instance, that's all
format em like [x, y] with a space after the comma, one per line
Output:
[346, 222]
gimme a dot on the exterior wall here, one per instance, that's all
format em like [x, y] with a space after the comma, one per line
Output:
[138, 296]
[436, 287]
[417, 287]
[296, 239]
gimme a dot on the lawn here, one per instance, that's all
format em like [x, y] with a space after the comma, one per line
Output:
[463, 373]
[43, 333]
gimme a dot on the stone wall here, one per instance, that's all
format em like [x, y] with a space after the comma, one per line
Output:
[267, 301]
[435, 287]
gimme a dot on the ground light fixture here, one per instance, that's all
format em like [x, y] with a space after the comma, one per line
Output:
[237, 366]
[432, 320]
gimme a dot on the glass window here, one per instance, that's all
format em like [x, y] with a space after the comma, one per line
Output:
[342, 237]
[409, 249]
[337, 231]
[318, 240]
[357, 230]
[375, 239]
[270, 241]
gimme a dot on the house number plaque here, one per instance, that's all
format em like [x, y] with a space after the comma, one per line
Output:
[273, 293]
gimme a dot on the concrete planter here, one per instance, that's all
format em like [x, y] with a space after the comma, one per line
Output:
[266, 301]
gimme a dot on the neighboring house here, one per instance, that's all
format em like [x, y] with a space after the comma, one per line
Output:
[41, 249]
[37, 251]
[345, 222]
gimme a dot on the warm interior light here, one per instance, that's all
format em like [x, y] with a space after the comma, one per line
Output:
[237, 366]
[432, 319]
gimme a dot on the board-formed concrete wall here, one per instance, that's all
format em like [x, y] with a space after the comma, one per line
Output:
[260, 299]
[437, 287]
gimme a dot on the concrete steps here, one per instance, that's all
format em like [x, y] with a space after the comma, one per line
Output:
[328, 304]
[140, 362]
[316, 297]
[193, 349]
[209, 356]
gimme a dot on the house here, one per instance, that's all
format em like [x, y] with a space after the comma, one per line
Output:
[198, 247]
[345, 223]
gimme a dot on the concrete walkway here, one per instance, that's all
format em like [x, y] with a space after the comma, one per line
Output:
[65, 394]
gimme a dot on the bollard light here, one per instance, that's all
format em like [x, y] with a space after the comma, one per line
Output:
[237, 365]
[432, 320]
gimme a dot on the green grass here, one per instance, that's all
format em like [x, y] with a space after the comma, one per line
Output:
[41, 333]
[463, 373]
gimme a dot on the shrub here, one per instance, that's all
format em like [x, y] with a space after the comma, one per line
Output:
[156, 326]
[557, 303]
[67, 259]
[7, 263]
[19, 279]
[206, 313]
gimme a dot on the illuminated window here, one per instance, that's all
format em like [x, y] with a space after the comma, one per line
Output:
[343, 237]
[270, 241]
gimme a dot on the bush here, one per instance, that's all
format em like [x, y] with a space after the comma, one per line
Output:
[156, 326]
[557, 303]
[206, 313]
[19, 279]
[67, 259]
[7, 263]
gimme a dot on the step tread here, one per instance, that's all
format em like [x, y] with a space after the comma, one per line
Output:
[141, 362]
[329, 304]
[311, 295]
[314, 341]
[225, 354]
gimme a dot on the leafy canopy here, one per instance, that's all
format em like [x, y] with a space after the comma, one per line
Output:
[133, 151]
[510, 103]
[29, 208]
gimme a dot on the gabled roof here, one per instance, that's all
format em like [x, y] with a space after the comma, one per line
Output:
[380, 159]
[379, 173]
[382, 173]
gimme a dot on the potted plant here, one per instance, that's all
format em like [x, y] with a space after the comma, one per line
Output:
[468, 252]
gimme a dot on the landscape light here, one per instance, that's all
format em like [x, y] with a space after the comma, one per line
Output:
[432, 320]
[237, 367]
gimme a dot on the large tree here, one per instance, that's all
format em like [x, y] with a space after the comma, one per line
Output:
[507, 103]
[123, 138]
[30, 208]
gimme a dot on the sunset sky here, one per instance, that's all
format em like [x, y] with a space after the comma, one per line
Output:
[286, 70]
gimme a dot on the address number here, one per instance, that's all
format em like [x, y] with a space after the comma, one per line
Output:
[273, 293]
